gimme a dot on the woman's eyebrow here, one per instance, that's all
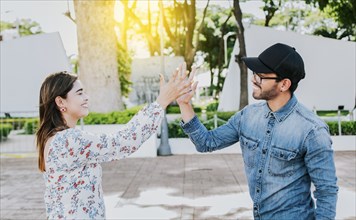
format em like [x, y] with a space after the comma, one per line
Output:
[79, 90]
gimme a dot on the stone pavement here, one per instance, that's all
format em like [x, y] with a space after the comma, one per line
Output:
[203, 186]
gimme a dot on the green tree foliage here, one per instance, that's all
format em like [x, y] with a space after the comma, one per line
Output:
[242, 53]
[270, 9]
[180, 24]
[216, 25]
[124, 60]
[292, 18]
[328, 18]
[344, 13]
[26, 27]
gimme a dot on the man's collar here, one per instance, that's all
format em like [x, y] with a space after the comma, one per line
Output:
[283, 112]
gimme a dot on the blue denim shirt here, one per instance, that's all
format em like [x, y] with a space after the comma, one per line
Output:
[283, 152]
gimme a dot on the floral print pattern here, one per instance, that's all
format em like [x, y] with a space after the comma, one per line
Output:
[73, 170]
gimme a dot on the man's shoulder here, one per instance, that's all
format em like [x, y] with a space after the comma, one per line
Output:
[309, 116]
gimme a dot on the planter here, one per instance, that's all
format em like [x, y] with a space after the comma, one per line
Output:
[344, 142]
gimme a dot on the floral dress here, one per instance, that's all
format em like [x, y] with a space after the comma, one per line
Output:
[73, 170]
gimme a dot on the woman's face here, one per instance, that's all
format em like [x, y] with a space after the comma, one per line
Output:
[76, 103]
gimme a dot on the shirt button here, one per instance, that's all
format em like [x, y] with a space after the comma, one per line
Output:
[255, 208]
[258, 191]
[260, 171]
[268, 131]
[264, 151]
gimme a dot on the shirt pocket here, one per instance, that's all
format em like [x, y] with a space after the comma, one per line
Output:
[249, 152]
[282, 162]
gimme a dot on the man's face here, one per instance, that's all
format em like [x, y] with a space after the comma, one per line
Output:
[265, 86]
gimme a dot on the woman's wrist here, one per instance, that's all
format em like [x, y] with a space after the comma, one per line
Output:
[163, 103]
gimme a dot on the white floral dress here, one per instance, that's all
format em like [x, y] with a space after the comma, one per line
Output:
[73, 170]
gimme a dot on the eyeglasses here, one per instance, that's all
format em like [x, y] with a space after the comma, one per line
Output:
[258, 78]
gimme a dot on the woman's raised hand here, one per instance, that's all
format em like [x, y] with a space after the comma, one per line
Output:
[178, 85]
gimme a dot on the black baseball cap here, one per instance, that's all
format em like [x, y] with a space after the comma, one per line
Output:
[280, 59]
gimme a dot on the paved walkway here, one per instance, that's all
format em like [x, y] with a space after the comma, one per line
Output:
[203, 186]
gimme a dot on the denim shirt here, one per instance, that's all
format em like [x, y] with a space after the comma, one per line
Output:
[283, 152]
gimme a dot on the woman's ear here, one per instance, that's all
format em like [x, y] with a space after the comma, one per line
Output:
[59, 102]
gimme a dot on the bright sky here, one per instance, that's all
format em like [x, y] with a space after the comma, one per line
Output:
[49, 14]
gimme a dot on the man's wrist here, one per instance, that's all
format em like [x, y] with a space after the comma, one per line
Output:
[184, 104]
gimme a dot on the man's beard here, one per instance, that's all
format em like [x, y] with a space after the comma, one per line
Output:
[260, 94]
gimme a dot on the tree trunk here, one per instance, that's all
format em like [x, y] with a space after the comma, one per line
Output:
[221, 58]
[98, 67]
[270, 9]
[124, 26]
[242, 53]
[189, 37]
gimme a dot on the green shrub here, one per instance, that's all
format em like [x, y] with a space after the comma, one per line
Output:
[132, 111]
[347, 127]
[173, 109]
[331, 113]
[197, 109]
[121, 117]
[212, 107]
[175, 131]
[104, 118]
[17, 123]
[31, 126]
[5, 130]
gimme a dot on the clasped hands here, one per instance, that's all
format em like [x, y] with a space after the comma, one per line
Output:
[180, 87]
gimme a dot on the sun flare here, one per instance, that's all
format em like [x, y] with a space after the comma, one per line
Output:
[141, 5]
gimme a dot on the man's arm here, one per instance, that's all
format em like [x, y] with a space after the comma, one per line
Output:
[208, 141]
[187, 112]
[204, 140]
[319, 160]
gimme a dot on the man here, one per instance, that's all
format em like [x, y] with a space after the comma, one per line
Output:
[285, 146]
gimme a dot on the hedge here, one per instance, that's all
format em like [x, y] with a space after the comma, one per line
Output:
[331, 113]
[5, 130]
[347, 127]
[213, 106]
[31, 126]
[174, 109]
[17, 123]
[121, 117]
[175, 131]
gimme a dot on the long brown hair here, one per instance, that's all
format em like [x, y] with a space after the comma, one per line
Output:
[51, 120]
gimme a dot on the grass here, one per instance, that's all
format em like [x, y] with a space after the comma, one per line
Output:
[331, 113]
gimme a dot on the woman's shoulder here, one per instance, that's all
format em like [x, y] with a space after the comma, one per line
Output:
[69, 131]
[66, 134]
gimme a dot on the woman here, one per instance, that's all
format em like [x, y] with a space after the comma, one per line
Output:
[70, 158]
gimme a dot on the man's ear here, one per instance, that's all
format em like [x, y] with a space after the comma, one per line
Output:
[59, 102]
[285, 85]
